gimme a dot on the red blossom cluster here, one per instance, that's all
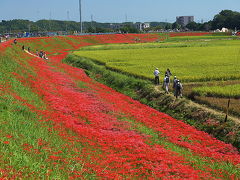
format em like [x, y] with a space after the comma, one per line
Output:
[91, 113]
[4, 45]
[95, 112]
[127, 38]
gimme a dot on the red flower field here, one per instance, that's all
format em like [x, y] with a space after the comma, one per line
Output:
[106, 134]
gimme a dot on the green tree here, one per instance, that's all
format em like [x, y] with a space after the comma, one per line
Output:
[193, 26]
[157, 28]
[91, 29]
[129, 29]
[176, 26]
[168, 26]
[226, 18]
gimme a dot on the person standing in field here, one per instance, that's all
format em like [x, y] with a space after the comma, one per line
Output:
[41, 54]
[174, 84]
[166, 83]
[156, 74]
[178, 89]
[168, 72]
[45, 55]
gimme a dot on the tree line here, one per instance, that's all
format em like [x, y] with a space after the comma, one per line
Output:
[18, 25]
[226, 18]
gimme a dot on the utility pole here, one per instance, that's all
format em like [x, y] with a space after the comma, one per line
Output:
[29, 28]
[80, 12]
[38, 17]
[92, 21]
[67, 21]
[50, 18]
[68, 17]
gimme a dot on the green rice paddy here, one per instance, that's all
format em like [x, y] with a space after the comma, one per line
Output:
[191, 60]
[220, 91]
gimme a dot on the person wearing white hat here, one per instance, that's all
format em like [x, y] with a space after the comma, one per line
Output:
[174, 82]
[156, 74]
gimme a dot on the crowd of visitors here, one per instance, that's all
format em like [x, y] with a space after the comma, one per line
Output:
[177, 85]
[40, 54]
[4, 38]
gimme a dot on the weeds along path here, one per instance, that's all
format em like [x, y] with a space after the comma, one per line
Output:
[112, 135]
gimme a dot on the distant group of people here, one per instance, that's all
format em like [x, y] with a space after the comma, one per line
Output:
[177, 85]
[40, 54]
[4, 38]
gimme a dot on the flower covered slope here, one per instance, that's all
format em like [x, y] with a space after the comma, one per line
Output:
[83, 129]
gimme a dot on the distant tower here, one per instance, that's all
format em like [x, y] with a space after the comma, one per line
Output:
[80, 12]
[91, 20]
[50, 18]
[184, 20]
[38, 16]
[50, 15]
[68, 18]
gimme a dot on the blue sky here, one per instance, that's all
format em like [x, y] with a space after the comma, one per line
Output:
[114, 10]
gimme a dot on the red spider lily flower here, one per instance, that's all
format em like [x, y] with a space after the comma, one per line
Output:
[9, 136]
[6, 142]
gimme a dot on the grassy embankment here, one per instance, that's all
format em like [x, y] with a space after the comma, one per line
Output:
[32, 147]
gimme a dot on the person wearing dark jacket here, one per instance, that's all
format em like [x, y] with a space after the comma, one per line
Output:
[178, 89]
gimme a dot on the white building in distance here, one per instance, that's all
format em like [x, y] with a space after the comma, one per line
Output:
[142, 26]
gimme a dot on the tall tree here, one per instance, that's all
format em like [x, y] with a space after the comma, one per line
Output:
[226, 18]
